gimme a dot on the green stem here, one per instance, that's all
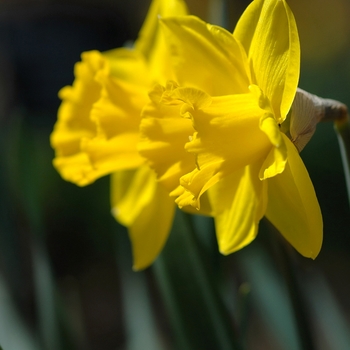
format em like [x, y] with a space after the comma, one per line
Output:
[196, 310]
[218, 12]
[342, 127]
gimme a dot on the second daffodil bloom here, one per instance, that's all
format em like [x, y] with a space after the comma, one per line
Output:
[218, 128]
[98, 130]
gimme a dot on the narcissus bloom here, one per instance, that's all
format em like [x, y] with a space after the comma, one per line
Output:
[98, 130]
[220, 128]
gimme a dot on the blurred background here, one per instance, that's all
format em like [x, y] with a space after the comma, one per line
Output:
[65, 265]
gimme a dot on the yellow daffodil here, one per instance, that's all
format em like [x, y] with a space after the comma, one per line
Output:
[218, 128]
[98, 130]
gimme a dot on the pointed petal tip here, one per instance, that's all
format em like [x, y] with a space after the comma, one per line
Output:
[312, 254]
[224, 252]
[138, 268]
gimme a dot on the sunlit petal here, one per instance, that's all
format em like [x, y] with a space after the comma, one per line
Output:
[201, 51]
[246, 26]
[268, 31]
[293, 207]
[276, 159]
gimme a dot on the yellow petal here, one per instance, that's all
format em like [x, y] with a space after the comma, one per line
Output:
[276, 159]
[206, 57]
[125, 185]
[247, 23]
[227, 138]
[143, 205]
[239, 202]
[151, 43]
[274, 163]
[268, 32]
[293, 207]
[147, 35]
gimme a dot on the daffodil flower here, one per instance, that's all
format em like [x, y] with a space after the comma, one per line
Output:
[220, 127]
[98, 130]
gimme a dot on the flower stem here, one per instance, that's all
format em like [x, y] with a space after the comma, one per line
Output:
[196, 310]
[217, 13]
[284, 256]
[297, 300]
[342, 127]
[337, 112]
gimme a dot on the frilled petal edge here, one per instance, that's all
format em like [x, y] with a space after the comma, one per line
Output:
[227, 138]
[163, 136]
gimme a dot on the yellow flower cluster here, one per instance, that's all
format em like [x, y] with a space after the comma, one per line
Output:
[193, 115]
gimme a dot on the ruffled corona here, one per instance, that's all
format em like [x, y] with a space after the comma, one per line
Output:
[97, 128]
